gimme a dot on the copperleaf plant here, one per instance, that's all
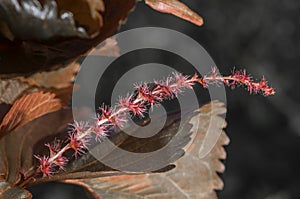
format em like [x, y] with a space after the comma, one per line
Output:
[37, 143]
[73, 28]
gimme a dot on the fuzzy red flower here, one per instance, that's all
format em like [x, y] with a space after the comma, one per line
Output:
[164, 90]
[113, 118]
[101, 131]
[181, 82]
[137, 108]
[45, 166]
[60, 161]
[79, 127]
[147, 95]
[54, 147]
[78, 143]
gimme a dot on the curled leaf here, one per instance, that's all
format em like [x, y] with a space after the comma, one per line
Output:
[176, 8]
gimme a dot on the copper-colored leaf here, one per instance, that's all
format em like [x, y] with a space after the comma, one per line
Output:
[11, 89]
[58, 79]
[176, 8]
[27, 108]
[59, 82]
[193, 177]
[8, 191]
[109, 49]
[64, 94]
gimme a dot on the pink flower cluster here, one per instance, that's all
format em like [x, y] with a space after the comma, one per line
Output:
[136, 104]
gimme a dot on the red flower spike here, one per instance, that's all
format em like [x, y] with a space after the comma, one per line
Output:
[77, 143]
[106, 112]
[164, 90]
[194, 78]
[214, 76]
[138, 103]
[60, 161]
[54, 147]
[120, 119]
[239, 78]
[264, 87]
[182, 81]
[79, 127]
[137, 108]
[100, 131]
[269, 91]
[45, 167]
[113, 118]
[203, 82]
[145, 94]
[233, 80]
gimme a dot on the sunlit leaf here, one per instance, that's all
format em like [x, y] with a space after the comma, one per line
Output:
[109, 49]
[11, 89]
[176, 8]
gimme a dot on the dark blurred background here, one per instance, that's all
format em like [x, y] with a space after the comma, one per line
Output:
[263, 37]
